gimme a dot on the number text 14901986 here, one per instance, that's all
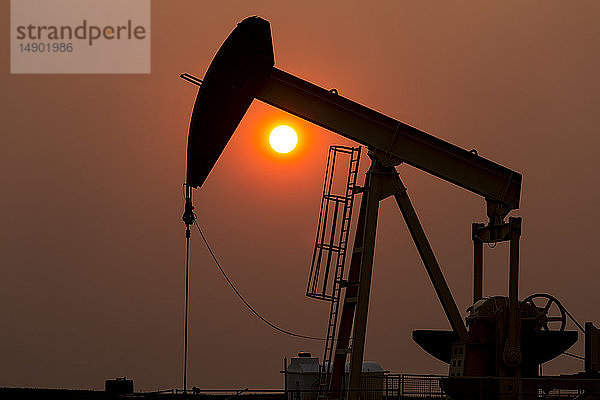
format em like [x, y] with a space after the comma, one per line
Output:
[42, 47]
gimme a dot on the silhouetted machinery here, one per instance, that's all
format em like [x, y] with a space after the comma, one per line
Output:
[497, 353]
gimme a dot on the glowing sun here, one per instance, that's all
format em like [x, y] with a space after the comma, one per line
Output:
[283, 139]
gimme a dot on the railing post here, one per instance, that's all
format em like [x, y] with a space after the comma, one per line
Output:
[285, 383]
[402, 386]
[386, 388]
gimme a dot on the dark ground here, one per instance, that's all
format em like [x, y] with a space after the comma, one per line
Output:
[64, 394]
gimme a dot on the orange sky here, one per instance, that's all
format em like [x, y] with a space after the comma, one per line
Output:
[92, 244]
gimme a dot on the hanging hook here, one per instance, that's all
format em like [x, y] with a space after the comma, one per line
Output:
[188, 216]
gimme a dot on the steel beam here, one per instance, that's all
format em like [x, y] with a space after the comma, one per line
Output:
[512, 350]
[367, 250]
[431, 265]
[378, 131]
[477, 264]
[348, 306]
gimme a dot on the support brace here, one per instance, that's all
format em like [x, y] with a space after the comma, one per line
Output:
[382, 181]
[494, 233]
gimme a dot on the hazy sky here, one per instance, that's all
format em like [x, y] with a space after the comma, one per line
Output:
[91, 242]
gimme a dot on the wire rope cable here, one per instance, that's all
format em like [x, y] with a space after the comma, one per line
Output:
[187, 302]
[252, 309]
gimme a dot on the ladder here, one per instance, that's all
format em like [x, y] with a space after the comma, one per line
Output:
[329, 287]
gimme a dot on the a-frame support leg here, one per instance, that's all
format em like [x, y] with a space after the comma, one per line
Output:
[381, 182]
[430, 262]
[348, 307]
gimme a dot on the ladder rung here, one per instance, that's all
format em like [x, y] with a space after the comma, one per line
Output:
[350, 300]
[334, 197]
[342, 351]
[330, 247]
[358, 250]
